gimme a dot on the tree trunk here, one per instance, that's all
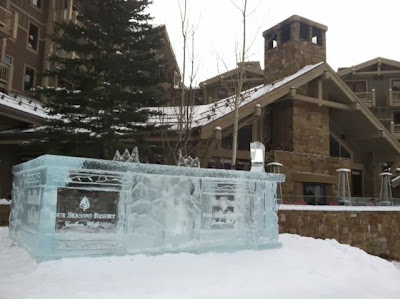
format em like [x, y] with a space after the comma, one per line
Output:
[239, 91]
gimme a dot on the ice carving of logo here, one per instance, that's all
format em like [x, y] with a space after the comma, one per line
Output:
[85, 204]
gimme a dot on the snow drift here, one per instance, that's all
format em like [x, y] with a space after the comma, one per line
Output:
[303, 268]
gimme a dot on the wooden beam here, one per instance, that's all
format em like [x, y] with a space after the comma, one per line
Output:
[227, 153]
[373, 135]
[377, 73]
[320, 89]
[355, 107]
[313, 178]
[293, 92]
[322, 102]
[261, 80]
[394, 166]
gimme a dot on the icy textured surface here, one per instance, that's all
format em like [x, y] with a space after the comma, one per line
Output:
[65, 206]
[257, 153]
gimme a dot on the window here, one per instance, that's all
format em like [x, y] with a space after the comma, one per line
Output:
[396, 85]
[37, 3]
[221, 93]
[304, 32]
[314, 194]
[33, 37]
[29, 78]
[396, 117]
[285, 33]
[8, 60]
[356, 183]
[316, 36]
[245, 137]
[337, 150]
[271, 41]
[357, 86]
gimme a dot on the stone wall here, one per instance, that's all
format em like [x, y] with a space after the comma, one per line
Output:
[287, 58]
[302, 167]
[4, 214]
[376, 232]
[310, 128]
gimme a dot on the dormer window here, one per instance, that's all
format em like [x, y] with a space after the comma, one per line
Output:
[285, 33]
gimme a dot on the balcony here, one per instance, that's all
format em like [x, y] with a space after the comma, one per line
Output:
[8, 23]
[368, 98]
[6, 75]
[66, 15]
[395, 130]
[394, 98]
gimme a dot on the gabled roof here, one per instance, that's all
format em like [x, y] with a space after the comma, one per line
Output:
[203, 115]
[348, 111]
[370, 64]
[252, 67]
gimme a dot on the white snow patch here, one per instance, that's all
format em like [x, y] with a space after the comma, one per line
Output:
[339, 208]
[5, 202]
[303, 268]
[23, 104]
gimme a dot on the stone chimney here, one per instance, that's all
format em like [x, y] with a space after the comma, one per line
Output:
[291, 45]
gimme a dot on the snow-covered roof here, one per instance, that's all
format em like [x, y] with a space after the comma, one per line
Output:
[23, 104]
[202, 115]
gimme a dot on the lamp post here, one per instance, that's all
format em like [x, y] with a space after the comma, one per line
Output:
[344, 187]
[386, 189]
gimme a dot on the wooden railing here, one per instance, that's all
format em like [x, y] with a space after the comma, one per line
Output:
[64, 15]
[368, 98]
[7, 23]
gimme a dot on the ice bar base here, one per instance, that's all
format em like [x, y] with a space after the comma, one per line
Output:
[71, 207]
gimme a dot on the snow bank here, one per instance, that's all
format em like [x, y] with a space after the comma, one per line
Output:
[303, 268]
[5, 202]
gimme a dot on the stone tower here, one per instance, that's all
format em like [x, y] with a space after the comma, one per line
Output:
[291, 45]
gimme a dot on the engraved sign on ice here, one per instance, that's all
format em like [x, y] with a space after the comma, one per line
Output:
[85, 204]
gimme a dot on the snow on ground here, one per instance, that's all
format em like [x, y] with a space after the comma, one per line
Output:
[303, 268]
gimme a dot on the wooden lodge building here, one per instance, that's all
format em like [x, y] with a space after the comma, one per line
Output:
[311, 119]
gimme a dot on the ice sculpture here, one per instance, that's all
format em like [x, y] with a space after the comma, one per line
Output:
[65, 207]
[188, 162]
[127, 157]
[257, 153]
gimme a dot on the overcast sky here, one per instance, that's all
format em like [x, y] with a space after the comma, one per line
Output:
[357, 30]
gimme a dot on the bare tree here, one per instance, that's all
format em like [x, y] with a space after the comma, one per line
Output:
[243, 10]
[184, 111]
